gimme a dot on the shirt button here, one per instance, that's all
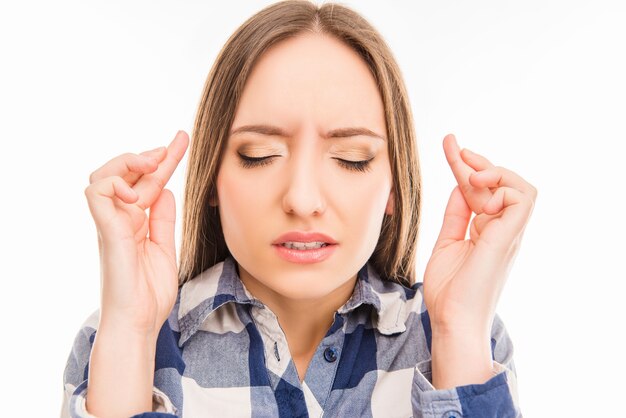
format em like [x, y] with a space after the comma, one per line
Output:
[330, 354]
[452, 414]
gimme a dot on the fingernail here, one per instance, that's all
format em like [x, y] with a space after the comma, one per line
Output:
[158, 149]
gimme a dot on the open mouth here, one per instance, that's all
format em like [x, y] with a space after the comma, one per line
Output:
[304, 245]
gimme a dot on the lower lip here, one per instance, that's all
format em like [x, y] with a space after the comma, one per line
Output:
[306, 256]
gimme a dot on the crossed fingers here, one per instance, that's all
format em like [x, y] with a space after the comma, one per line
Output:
[488, 189]
[141, 176]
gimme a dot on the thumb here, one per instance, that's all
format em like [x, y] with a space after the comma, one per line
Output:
[162, 222]
[455, 220]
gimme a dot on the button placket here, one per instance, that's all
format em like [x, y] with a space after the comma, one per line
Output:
[331, 354]
[277, 354]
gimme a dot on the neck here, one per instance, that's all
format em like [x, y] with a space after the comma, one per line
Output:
[305, 322]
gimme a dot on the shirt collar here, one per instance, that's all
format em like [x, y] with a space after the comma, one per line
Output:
[220, 284]
[389, 299]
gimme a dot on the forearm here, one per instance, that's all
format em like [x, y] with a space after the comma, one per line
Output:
[121, 373]
[460, 359]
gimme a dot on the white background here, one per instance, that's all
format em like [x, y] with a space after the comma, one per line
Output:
[536, 86]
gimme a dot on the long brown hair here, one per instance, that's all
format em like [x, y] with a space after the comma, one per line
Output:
[203, 243]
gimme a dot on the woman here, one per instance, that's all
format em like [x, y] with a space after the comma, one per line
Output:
[296, 292]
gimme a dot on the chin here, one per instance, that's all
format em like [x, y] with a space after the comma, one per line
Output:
[300, 287]
[301, 282]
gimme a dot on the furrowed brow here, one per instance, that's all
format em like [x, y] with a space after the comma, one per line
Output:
[353, 131]
[259, 129]
[335, 133]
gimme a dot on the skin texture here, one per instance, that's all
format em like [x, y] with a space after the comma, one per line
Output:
[464, 277]
[305, 86]
[138, 274]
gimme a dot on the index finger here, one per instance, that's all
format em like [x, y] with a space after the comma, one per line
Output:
[129, 166]
[150, 185]
[461, 169]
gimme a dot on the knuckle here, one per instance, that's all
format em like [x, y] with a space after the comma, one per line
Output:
[91, 191]
[502, 170]
[128, 159]
[465, 188]
[159, 181]
[116, 179]
[530, 205]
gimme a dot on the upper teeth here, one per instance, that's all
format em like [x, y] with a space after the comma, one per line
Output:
[303, 245]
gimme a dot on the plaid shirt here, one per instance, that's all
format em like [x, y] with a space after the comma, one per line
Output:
[222, 353]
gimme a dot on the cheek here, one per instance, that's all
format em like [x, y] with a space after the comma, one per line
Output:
[236, 192]
[362, 203]
[239, 203]
[365, 193]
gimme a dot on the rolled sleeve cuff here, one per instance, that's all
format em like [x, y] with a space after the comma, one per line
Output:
[496, 397]
[161, 404]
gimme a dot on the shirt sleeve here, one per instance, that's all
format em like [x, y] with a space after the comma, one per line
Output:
[75, 379]
[496, 397]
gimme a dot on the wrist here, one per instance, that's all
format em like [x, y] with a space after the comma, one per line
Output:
[119, 326]
[468, 326]
[460, 359]
[120, 355]
[110, 334]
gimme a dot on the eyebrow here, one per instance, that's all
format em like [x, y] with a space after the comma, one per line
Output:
[335, 133]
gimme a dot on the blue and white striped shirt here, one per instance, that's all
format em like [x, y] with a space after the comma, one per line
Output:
[222, 353]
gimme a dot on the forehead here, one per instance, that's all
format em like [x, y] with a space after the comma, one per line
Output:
[311, 78]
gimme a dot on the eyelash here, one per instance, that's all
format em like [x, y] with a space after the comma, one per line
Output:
[250, 162]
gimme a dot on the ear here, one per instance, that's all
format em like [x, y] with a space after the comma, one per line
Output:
[389, 208]
[213, 200]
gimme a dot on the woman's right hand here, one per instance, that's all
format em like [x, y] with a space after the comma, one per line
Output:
[139, 274]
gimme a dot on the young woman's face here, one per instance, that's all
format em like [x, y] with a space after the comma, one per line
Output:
[302, 89]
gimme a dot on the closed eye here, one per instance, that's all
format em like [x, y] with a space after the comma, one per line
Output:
[361, 166]
[251, 162]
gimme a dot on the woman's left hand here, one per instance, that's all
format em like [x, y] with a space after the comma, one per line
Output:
[464, 277]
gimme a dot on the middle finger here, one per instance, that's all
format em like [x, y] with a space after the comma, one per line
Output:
[150, 185]
[495, 177]
[129, 166]
[475, 197]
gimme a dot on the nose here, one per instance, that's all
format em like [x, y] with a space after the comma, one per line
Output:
[303, 195]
